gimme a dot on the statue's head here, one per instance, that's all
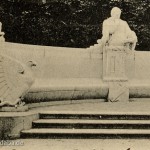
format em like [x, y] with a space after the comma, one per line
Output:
[116, 12]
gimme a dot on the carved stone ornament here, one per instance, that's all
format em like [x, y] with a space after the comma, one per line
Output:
[15, 81]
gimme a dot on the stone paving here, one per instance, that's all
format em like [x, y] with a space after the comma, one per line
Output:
[81, 144]
[88, 144]
[97, 106]
[91, 106]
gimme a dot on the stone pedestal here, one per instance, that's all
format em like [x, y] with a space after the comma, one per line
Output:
[114, 60]
[118, 92]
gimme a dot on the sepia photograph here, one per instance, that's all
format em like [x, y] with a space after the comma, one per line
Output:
[74, 75]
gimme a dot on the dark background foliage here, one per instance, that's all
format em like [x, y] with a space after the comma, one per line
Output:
[70, 23]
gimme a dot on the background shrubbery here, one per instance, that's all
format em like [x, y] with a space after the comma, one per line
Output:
[70, 23]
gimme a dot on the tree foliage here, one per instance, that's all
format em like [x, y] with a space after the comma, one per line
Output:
[70, 23]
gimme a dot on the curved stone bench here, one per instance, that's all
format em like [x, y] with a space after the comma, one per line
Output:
[76, 73]
[77, 89]
[66, 89]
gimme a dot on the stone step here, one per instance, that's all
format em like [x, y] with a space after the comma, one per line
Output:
[95, 115]
[91, 124]
[85, 133]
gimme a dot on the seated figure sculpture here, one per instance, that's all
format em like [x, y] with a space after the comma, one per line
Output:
[2, 39]
[117, 41]
[116, 32]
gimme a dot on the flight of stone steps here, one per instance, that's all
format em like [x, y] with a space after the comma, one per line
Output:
[89, 125]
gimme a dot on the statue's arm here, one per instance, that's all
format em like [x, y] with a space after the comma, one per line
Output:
[131, 36]
[105, 32]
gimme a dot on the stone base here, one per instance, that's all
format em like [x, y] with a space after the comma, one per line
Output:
[12, 123]
[2, 39]
[118, 92]
[14, 109]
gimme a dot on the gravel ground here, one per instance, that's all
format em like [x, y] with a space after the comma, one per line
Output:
[81, 144]
[133, 107]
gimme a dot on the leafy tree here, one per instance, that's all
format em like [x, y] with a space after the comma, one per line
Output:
[70, 23]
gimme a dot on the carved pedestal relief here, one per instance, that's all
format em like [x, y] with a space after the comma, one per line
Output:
[114, 64]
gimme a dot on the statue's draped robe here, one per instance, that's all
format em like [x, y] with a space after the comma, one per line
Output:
[116, 32]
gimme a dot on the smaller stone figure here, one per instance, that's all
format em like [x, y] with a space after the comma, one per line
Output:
[15, 81]
[2, 39]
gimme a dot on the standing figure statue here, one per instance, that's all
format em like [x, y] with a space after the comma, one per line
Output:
[116, 32]
[2, 39]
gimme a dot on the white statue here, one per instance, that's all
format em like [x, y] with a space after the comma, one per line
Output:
[117, 41]
[16, 79]
[2, 39]
[116, 32]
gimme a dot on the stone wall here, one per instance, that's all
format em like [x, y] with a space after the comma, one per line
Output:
[58, 62]
[76, 73]
[63, 62]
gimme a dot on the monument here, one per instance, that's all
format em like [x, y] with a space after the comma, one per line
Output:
[66, 75]
[117, 41]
